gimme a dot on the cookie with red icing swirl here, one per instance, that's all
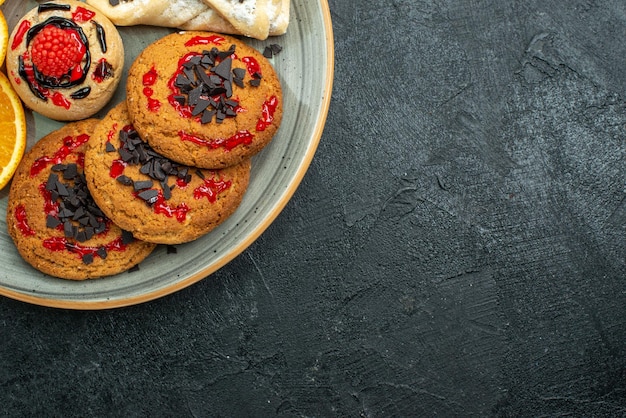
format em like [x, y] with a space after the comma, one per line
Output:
[53, 220]
[65, 60]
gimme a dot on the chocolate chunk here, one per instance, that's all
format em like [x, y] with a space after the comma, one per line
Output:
[200, 107]
[167, 192]
[180, 99]
[207, 116]
[127, 237]
[239, 73]
[110, 147]
[70, 172]
[100, 228]
[142, 185]
[228, 86]
[150, 196]
[125, 180]
[68, 229]
[79, 213]
[207, 59]
[202, 76]
[189, 73]
[88, 258]
[224, 54]
[239, 82]
[102, 252]
[53, 179]
[194, 95]
[61, 189]
[52, 221]
[276, 49]
[182, 81]
[81, 236]
[223, 69]
[182, 173]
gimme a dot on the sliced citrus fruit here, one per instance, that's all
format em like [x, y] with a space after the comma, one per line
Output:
[12, 131]
[4, 36]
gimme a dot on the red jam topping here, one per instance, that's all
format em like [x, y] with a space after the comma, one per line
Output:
[117, 168]
[82, 15]
[112, 132]
[59, 100]
[102, 71]
[62, 244]
[149, 80]
[50, 207]
[22, 221]
[269, 108]
[211, 189]
[161, 207]
[252, 65]
[181, 183]
[69, 145]
[205, 40]
[241, 137]
[19, 35]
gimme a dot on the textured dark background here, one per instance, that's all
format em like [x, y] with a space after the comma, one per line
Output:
[456, 249]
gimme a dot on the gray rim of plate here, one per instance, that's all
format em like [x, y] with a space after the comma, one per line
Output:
[306, 69]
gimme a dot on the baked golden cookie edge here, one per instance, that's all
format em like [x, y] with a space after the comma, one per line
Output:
[44, 233]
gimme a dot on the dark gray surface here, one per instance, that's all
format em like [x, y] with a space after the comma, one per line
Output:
[456, 249]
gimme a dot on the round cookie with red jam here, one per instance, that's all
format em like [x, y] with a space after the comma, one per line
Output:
[158, 200]
[53, 219]
[204, 99]
[65, 60]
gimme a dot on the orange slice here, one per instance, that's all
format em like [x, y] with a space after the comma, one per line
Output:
[12, 131]
[4, 36]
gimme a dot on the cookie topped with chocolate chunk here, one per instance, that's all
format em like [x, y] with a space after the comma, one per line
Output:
[157, 199]
[53, 220]
[204, 99]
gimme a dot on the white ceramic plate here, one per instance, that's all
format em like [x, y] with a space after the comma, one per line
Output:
[305, 67]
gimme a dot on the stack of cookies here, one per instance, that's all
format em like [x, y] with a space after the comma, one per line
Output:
[165, 166]
[173, 161]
